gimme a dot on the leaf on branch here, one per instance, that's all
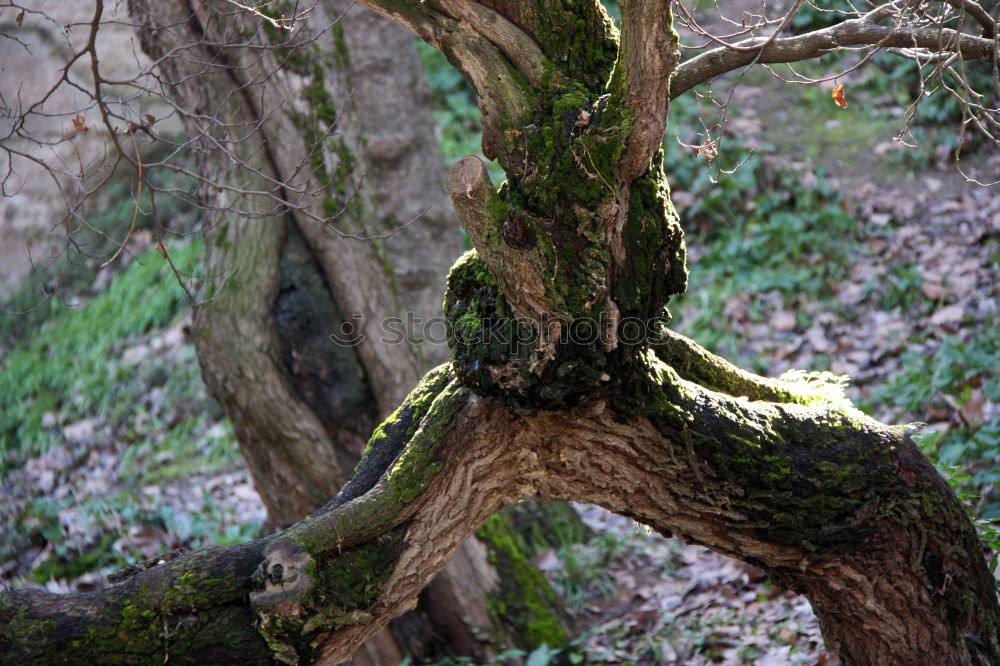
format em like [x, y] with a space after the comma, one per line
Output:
[708, 150]
[80, 123]
[19, 19]
[839, 98]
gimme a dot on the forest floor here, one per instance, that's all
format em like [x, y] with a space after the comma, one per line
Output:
[894, 283]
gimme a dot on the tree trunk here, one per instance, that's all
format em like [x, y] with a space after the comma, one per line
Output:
[551, 393]
[303, 404]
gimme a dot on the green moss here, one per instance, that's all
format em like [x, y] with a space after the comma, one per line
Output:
[354, 579]
[417, 465]
[340, 590]
[396, 430]
[341, 55]
[524, 599]
[805, 475]
[493, 352]
[192, 589]
[578, 37]
[28, 634]
[403, 452]
[318, 132]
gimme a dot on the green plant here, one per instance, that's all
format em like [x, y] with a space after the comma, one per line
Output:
[950, 376]
[93, 239]
[952, 369]
[584, 572]
[98, 523]
[899, 288]
[69, 364]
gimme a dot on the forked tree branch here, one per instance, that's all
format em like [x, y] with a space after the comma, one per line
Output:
[518, 47]
[827, 502]
[977, 12]
[852, 33]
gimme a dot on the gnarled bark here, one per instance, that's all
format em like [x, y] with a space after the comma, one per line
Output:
[304, 404]
[827, 501]
[784, 474]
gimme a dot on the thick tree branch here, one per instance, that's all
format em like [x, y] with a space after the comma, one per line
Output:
[696, 364]
[517, 46]
[976, 11]
[187, 610]
[491, 62]
[852, 33]
[825, 500]
[487, 220]
[640, 82]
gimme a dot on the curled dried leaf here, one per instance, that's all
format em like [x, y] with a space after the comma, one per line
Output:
[80, 123]
[839, 98]
[709, 150]
[19, 19]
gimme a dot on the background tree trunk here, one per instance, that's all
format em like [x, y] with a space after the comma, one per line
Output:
[302, 404]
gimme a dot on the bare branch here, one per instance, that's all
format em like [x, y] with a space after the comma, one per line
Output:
[852, 33]
[976, 11]
[282, 23]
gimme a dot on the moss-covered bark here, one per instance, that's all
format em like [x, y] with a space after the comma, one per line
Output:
[784, 474]
[188, 611]
[524, 598]
[275, 337]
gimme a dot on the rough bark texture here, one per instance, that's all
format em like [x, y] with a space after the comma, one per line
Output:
[288, 277]
[784, 474]
[303, 405]
[827, 501]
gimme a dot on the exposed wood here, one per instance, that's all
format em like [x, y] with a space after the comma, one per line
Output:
[483, 214]
[646, 60]
[901, 519]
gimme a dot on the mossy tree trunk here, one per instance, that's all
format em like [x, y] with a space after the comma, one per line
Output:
[552, 393]
[303, 384]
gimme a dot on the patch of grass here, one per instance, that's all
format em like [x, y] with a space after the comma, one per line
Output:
[950, 376]
[584, 571]
[106, 519]
[69, 363]
[70, 277]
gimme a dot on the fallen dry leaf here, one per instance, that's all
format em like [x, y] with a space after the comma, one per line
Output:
[783, 320]
[972, 410]
[948, 316]
[934, 290]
